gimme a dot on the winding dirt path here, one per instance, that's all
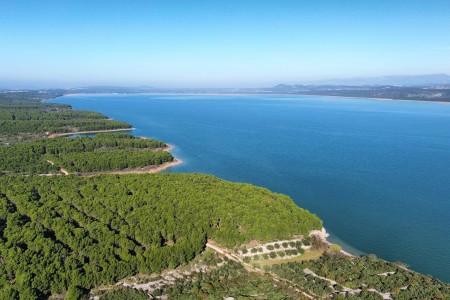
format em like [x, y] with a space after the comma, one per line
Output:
[355, 292]
[149, 169]
[221, 250]
[62, 170]
[54, 135]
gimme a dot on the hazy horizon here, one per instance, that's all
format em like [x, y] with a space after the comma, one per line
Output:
[356, 81]
[221, 44]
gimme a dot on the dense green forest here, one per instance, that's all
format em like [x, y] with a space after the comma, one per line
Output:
[46, 127]
[68, 231]
[110, 160]
[29, 96]
[24, 117]
[27, 114]
[103, 152]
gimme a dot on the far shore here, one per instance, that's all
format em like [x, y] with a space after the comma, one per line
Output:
[377, 99]
[264, 94]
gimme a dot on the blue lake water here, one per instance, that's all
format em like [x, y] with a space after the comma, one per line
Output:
[376, 172]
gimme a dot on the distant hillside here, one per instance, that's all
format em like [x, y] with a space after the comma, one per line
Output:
[111, 89]
[431, 87]
[396, 80]
[431, 93]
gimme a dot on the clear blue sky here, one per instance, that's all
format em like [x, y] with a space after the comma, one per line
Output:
[219, 43]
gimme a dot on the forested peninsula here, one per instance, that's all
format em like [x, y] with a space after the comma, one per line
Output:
[80, 233]
[103, 152]
[24, 117]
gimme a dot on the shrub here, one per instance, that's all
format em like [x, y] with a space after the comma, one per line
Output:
[292, 244]
[74, 293]
[266, 256]
[281, 254]
[247, 259]
[254, 250]
[256, 257]
[277, 246]
[335, 248]
[284, 244]
[270, 247]
[244, 251]
[272, 254]
[126, 293]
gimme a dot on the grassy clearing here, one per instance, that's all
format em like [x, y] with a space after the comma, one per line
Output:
[308, 255]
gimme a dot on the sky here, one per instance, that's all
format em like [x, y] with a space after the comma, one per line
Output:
[218, 43]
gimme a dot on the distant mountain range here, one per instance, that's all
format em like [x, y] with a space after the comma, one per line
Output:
[395, 80]
[433, 87]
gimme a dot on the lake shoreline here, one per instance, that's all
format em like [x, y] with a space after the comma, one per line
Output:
[145, 170]
[323, 235]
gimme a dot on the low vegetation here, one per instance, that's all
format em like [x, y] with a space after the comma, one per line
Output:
[368, 275]
[228, 280]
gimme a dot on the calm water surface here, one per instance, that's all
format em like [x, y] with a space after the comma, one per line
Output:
[376, 172]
